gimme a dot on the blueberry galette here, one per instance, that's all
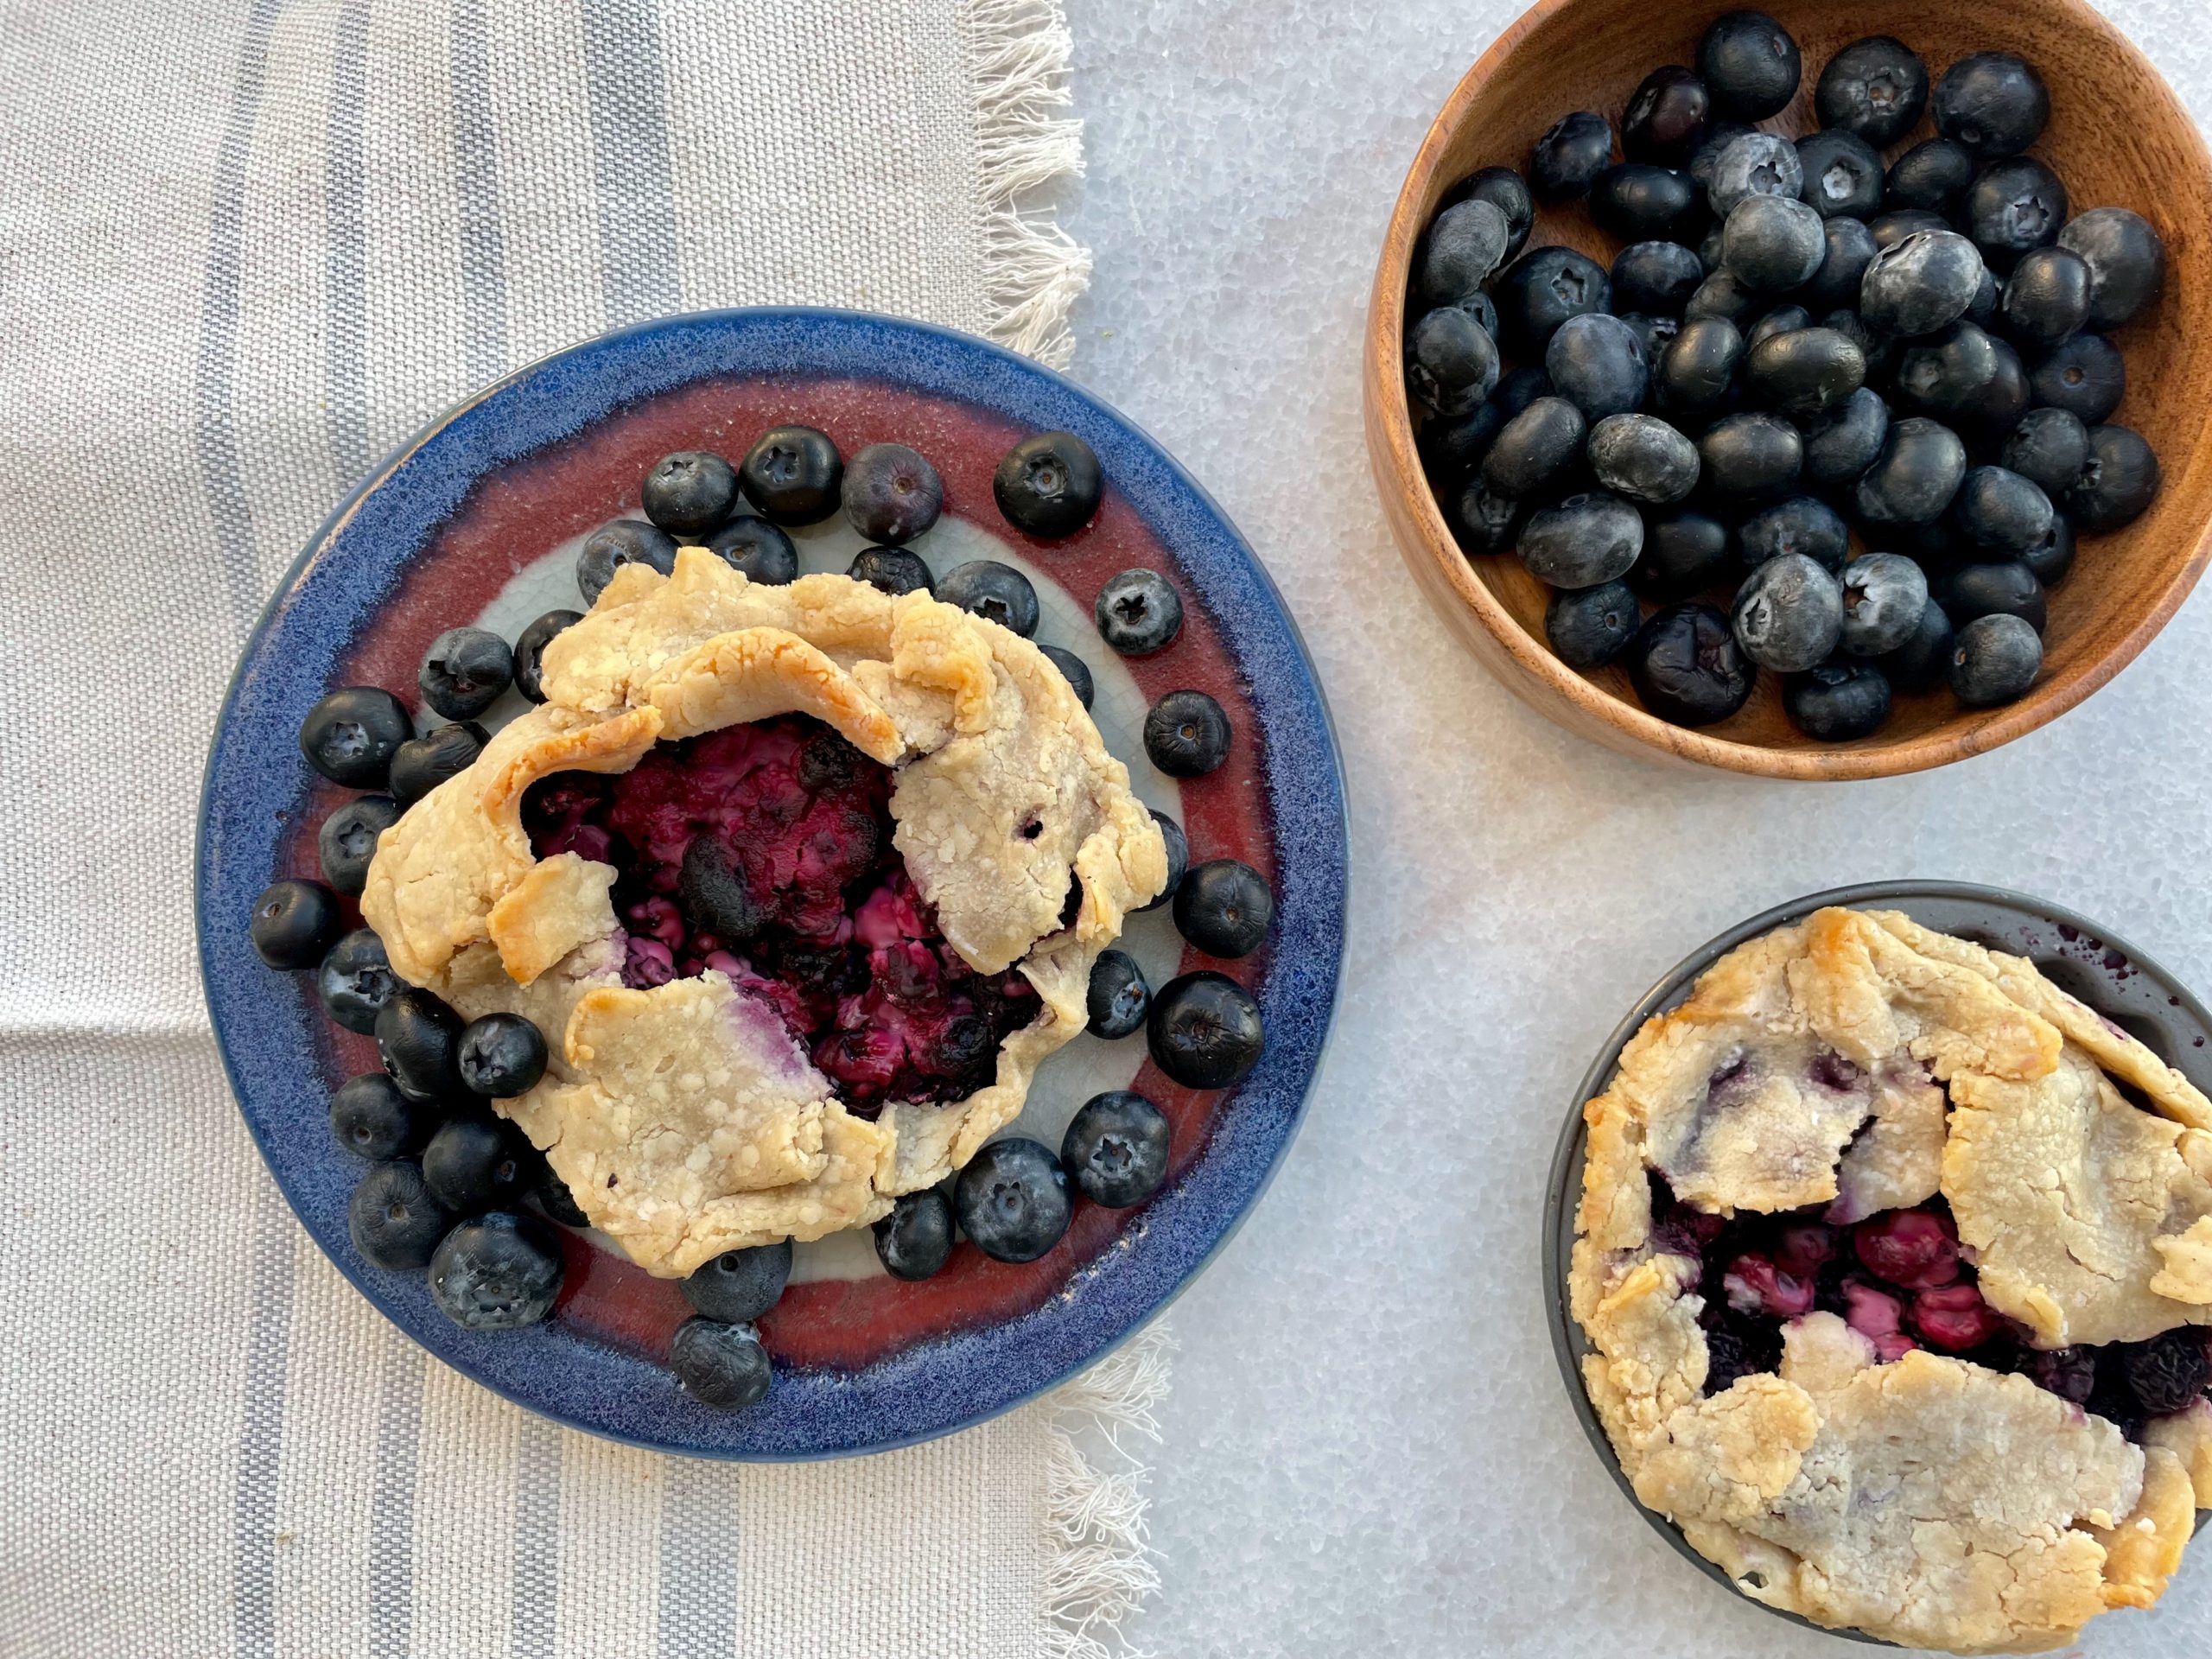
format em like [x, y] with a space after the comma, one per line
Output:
[801, 883]
[1896, 1262]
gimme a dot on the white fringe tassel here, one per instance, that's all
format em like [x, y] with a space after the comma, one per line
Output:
[1099, 1563]
[1035, 271]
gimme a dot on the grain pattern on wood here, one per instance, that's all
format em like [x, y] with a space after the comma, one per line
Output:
[2118, 137]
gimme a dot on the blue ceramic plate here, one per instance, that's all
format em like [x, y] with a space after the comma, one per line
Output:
[476, 520]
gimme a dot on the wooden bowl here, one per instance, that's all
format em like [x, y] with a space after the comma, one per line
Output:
[2118, 137]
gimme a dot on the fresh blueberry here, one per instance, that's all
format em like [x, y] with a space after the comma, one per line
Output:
[356, 981]
[688, 493]
[2118, 482]
[1520, 388]
[1637, 202]
[1572, 153]
[2048, 447]
[1655, 277]
[1758, 164]
[1535, 447]
[1847, 248]
[915, 1240]
[1782, 320]
[2083, 374]
[1584, 541]
[1920, 284]
[464, 672]
[1224, 907]
[1750, 458]
[1801, 525]
[792, 475]
[756, 549]
[530, 651]
[1115, 1148]
[1995, 659]
[1841, 445]
[419, 1034]
[627, 541]
[1914, 479]
[1505, 190]
[1837, 702]
[295, 923]
[1597, 364]
[1683, 553]
[1932, 176]
[1988, 299]
[1011, 1200]
[1138, 611]
[1998, 587]
[1923, 660]
[1179, 857]
[498, 1272]
[891, 570]
[350, 735]
[1885, 596]
[2001, 512]
[1878, 349]
[1485, 520]
[1772, 242]
[1451, 361]
[1705, 161]
[501, 1055]
[1751, 63]
[738, 1287]
[1543, 288]
[2050, 559]
[1874, 89]
[1451, 449]
[1805, 374]
[1186, 734]
[1992, 104]
[1789, 613]
[2005, 401]
[2046, 297]
[555, 1198]
[1466, 242]
[721, 1365]
[1890, 227]
[1591, 627]
[1653, 334]
[1118, 998]
[1204, 1032]
[997, 593]
[1667, 116]
[1643, 458]
[2013, 206]
[1049, 484]
[1951, 375]
[423, 763]
[1843, 174]
[2126, 262]
[394, 1219]
[1073, 669]
[347, 841]
[1699, 368]
[477, 1162]
[369, 1116]
[1722, 294]
[891, 494]
[1686, 668]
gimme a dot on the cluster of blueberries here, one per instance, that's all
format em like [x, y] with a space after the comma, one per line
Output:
[1796, 341]
[449, 1179]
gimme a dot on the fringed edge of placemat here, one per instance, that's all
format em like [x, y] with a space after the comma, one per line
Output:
[1100, 1566]
[1034, 271]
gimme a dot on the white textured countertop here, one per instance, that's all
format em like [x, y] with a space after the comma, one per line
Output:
[1368, 1450]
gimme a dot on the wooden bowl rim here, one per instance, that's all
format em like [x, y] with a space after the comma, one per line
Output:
[1397, 468]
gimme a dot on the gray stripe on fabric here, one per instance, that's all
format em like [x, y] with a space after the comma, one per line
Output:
[537, 1543]
[391, 1503]
[215, 439]
[346, 279]
[698, 1561]
[476, 156]
[629, 165]
[261, 1429]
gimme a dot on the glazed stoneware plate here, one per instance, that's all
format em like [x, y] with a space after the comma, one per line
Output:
[478, 520]
[2079, 956]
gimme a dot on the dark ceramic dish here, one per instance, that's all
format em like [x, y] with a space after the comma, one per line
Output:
[2075, 953]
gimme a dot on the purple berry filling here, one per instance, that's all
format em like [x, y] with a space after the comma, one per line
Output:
[795, 864]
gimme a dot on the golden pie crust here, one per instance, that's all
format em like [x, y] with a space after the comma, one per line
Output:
[685, 1119]
[1930, 1501]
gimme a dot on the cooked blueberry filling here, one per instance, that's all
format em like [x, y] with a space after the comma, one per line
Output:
[1900, 1280]
[765, 851]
